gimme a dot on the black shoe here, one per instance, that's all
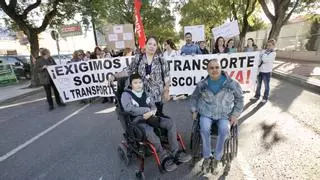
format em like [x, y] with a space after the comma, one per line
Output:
[105, 100]
[167, 162]
[51, 108]
[205, 167]
[213, 165]
[182, 157]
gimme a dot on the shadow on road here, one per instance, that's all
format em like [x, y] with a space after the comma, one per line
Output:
[252, 112]
[284, 94]
[270, 136]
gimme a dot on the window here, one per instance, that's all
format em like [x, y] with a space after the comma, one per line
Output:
[13, 61]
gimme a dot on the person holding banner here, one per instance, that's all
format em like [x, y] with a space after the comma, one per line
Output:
[219, 46]
[96, 53]
[216, 99]
[154, 70]
[41, 65]
[170, 49]
[203, 48]
[76, 56]
[190, 48]
[230, 47]
[265, 70]
[251, 46]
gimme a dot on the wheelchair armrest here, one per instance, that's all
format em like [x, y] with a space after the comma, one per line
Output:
[137, 120]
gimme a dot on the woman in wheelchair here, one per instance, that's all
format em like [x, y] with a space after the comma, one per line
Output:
[216, 99]
[141, 108]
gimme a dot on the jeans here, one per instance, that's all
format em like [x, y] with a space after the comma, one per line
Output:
[170, 126]
[265, 77]
[223, 133]
[47, 88]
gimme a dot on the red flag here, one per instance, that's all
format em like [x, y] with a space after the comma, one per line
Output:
[139, 26]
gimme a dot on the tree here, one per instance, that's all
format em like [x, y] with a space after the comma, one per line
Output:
[156, 17]
[242, 10]
[214, 13]
[283, 9]
[26, 14]
[313, 37]
[208, 13]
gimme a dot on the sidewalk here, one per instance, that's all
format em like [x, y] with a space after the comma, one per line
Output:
[14, 92]
[303, 73]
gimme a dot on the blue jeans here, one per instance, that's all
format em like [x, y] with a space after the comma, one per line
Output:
[265, 77]
[205, 130]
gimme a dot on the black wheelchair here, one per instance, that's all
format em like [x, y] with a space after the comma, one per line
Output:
[135, 143]
[230, 145]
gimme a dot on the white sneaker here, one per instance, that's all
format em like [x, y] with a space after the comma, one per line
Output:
[254, 98]
[264, 101]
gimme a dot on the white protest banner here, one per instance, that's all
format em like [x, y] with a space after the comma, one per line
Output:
[86, 79]
[187, 71]
[227, 30]
[196, 31]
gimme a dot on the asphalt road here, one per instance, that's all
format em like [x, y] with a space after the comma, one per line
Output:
[278, 140]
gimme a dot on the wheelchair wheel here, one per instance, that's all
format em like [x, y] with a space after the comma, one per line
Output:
[123, 154]
[234, 142]
[195, 140]
[140, 175]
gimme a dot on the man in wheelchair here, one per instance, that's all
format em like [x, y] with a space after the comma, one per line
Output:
[136, 102]
[216, 99]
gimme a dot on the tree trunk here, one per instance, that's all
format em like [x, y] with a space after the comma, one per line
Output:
[34, 46]
[244, 30]
[275, 30]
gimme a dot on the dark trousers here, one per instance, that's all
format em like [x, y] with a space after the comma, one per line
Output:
[159, 109]
[265, 77]
[47, 88]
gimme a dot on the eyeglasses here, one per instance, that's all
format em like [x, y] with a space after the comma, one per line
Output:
[214, 67]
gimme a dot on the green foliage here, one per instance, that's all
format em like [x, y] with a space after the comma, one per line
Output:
[209, 13]
[314, 33]
[156, 16]
[215, 13]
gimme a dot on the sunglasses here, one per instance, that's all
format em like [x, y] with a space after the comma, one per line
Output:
[214, 67]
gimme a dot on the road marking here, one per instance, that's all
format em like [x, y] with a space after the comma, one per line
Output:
[244, 166]
[106, 111]
[21, 103]
[30, 141]
[100, 178]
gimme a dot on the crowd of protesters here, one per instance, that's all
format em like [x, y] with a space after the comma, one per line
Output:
[169, 50]
[150, 79]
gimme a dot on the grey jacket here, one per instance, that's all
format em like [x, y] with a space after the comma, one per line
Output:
[43, 74]
[227, 102]
[132, 107]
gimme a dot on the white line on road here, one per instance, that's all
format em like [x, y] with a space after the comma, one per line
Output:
[27, 143]
[100, 178]
[21, 103]
[106, 111]
[244, 166]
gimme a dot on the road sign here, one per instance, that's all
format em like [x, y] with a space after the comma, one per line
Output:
[70, 30]
[54, 35]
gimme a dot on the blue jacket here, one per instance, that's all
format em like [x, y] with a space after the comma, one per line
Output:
[190, 49]
[227, 102]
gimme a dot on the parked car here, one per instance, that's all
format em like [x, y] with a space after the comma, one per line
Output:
[20, 65]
